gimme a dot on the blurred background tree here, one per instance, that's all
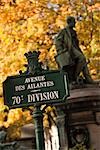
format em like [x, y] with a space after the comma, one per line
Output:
[32, 25]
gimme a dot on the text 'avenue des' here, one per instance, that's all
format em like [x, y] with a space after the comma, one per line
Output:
[34, 86]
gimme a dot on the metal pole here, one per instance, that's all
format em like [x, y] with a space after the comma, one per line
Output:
[38, 118]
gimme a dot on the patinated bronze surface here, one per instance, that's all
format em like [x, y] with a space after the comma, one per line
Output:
[70, 58]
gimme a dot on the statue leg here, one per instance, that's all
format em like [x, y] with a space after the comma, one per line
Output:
[81, 61]
[87, 74]
[82, 67]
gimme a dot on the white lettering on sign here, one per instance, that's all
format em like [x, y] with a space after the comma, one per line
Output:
[40, 85]
[34, 83]
[43, 96]
[36, 97]
[17, 99]
[19, 88]
[35, 79]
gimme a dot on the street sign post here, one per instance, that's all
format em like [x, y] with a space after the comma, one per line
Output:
[35, 86]
[26, 90]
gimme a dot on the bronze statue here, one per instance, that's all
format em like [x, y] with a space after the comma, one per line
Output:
[69, 55]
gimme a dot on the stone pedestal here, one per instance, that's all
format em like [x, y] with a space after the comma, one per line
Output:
[61, 129]
[83, 111]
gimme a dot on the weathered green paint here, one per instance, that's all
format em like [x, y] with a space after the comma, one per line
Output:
[26, 90]
[38, 123]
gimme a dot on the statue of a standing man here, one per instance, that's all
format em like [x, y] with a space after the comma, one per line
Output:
[68, 51]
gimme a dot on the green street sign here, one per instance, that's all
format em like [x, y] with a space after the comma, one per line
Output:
[26, 90]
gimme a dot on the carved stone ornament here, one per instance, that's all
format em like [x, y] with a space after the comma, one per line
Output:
[79, 135]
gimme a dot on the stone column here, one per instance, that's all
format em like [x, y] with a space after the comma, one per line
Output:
[61, 129]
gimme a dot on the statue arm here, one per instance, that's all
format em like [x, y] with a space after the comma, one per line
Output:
[59, 40]
[77, 42]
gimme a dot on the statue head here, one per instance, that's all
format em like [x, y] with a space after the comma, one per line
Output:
[71, 21]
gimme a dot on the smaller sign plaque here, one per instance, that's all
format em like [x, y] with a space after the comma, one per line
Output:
[25, 90]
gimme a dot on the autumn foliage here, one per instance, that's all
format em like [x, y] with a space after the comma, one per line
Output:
[32, 25]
